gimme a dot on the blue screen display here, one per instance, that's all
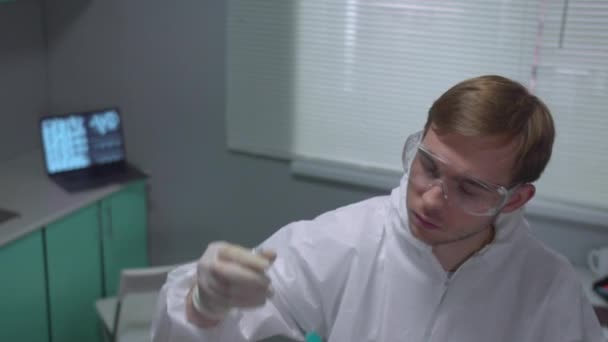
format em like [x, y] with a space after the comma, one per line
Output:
[78, 141]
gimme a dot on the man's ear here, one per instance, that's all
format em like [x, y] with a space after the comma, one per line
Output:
[521, 196]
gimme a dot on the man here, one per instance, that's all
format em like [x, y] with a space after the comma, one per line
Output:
[446, 257]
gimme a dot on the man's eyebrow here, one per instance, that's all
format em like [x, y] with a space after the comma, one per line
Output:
[432, 154]
[429, 158]
[473, 182]
[469, 178]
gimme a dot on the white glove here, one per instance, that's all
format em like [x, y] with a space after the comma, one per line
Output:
[231, 276]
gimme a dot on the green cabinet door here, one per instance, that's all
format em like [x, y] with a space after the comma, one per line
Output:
[124, 231]
[23, 312]
[73, 251]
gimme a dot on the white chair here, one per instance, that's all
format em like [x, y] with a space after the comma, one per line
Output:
[127, 317]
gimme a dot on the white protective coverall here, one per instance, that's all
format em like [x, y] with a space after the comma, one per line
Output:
[357, 274]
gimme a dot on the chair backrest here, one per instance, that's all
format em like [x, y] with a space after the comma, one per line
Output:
[144, 279]
[134, 281]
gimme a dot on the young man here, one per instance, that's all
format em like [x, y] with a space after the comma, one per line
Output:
[446, 257]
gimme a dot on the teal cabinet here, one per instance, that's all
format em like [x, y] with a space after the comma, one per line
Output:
[73, 256]
[85, 252]
[50, 279]
[23, 311]
[124, 233]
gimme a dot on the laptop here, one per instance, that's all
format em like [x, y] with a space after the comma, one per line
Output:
[86, 150]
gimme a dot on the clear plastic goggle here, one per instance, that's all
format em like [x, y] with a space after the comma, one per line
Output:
[474, 196]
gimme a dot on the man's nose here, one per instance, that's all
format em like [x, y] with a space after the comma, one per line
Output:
[435, 196]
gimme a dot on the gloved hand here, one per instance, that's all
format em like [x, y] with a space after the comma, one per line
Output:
[231, 276]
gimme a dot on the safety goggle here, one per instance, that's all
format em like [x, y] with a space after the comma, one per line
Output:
[474, 196]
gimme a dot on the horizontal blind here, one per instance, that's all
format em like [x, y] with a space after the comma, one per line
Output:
[260, 67]
[368, 71]
[573, 81]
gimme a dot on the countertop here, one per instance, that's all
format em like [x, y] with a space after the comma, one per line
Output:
[27, 190]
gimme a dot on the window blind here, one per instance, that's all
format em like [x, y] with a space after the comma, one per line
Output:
[345, 81]
[261, 43]
[573, 81]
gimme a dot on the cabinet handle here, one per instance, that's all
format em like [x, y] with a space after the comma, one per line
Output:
[110, 224]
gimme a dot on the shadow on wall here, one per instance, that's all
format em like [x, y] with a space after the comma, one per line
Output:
[85, 54]
[71, 11]
[22, 75]
[19, 29]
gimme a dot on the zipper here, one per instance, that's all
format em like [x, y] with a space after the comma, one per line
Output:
[446, 284]
[429, 329]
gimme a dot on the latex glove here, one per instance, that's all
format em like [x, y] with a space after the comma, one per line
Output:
[231, 276]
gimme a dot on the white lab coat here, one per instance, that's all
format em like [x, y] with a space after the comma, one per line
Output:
[356, 274]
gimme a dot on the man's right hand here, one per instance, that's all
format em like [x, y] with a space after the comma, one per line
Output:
[230, 276]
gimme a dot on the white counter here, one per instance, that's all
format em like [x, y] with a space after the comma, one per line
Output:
[26, 189]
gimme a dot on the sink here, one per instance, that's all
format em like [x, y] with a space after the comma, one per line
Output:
[6, 215]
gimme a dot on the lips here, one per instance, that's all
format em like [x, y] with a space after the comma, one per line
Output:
[423, 222]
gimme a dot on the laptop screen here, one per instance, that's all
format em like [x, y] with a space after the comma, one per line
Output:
[78, 141]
